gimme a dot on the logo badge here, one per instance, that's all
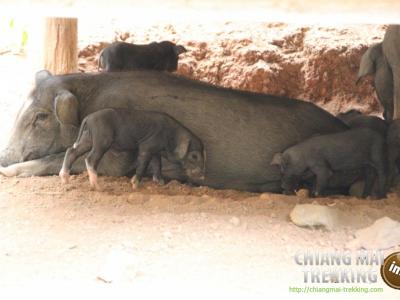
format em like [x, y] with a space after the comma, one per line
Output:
[390, 270]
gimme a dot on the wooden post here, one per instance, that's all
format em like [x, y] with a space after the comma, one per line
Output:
[61, 45]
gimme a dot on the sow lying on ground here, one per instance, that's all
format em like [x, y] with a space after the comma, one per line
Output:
[240, 130]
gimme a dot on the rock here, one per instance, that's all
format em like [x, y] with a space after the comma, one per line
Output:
[313, 215]
[383, 234]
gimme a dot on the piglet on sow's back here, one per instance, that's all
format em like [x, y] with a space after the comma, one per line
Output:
[121, 56]
[354, 149]
[150, 134]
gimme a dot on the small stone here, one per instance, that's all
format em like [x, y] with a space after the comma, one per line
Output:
[235, 221]
[303, 193]
[265, 196]
[167, 235]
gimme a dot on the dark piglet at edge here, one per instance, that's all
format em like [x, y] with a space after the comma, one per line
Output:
[393, 143]
[355, 119]
[354, 149]
[150, 134]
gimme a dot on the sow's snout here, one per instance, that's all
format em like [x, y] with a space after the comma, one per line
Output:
[7, 158]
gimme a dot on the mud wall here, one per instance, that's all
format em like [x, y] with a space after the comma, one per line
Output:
[313, 63]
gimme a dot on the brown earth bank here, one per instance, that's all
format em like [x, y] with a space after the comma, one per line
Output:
[314, 63]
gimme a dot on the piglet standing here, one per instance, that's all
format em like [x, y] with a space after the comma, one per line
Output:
[150, 134]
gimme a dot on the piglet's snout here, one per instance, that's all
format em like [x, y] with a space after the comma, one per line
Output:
[196, 173]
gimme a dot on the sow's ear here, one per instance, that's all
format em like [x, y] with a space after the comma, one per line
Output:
[204, 159]
[66, 108]
[179, 49]
[182, 146]
[367, 63]
[41, 75]
[277, 159]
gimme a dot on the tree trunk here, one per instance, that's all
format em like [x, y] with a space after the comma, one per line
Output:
[61, 45]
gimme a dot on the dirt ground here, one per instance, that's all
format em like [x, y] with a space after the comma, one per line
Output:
[171, 239]
[178, 237]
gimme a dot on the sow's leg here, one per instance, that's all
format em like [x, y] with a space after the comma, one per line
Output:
[113, 164]
[48, 165]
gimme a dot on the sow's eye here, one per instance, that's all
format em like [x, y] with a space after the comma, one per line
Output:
[40, 117]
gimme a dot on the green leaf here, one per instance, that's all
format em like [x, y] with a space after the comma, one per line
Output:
[11, 23]
[24, 38]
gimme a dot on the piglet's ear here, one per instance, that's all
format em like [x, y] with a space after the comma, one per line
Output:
[66, 108]
[40, 76]
[277, 159]
[179, 49]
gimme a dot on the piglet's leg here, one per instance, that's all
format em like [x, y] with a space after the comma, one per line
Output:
[392, 157]
[72, 154]
[92, 161]
[102, 141]
[322, 173]
[370, 176]
[381, 182]
[143, 161]
[92, 171]
[155, 169]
